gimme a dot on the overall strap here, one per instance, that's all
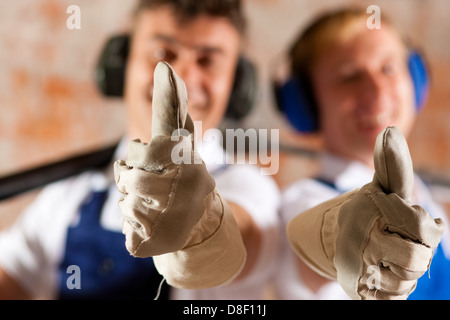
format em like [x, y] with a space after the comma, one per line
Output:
[105, 268]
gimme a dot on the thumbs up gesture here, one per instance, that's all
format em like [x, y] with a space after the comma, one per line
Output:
[372, 240]
[171, 209]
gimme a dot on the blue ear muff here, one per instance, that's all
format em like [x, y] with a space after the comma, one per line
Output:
[420, 78]
[293, 102]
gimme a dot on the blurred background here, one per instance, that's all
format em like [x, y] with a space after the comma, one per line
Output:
[51, 109]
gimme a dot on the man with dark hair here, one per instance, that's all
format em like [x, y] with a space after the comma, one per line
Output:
[69, 244]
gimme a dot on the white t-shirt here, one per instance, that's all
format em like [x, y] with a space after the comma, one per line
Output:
[32, 249]
[304, 194]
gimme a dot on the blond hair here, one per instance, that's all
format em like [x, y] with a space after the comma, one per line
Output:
[330, 29]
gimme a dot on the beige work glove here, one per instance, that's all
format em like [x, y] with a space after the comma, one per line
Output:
[171, 208]
[372, 240]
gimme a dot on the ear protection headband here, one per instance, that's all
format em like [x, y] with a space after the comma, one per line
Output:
[111, 66]
[294, 99]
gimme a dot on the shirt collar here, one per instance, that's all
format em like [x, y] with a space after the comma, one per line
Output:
[345, 174]
[348, 175]
[210, 150]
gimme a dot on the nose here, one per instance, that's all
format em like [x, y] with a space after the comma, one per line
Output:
[374, 92]
[188, 70]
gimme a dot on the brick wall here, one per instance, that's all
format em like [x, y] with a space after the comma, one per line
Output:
[50, 107]
[49, 104]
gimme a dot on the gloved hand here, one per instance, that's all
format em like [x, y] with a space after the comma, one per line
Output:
[372, 240]
[172, 210]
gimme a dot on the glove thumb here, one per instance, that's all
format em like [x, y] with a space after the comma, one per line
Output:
[169, 105]
[393, 164]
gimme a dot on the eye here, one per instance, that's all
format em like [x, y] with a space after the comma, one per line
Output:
[205, 61]
[348, 77]
[348, 73]
[163, 54]
[390, 69]
[159, 53]
[170, 56]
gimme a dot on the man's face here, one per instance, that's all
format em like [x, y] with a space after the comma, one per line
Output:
[361, 87]
[202, 51]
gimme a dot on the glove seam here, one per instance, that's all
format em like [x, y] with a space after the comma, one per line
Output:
[158, 218]
[217, 228]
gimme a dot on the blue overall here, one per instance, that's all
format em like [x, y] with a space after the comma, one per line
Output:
[434, 284]
[107, 270]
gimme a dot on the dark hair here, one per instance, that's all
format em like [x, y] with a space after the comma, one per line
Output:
[189, 9]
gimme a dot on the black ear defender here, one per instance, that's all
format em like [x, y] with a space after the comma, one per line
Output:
[245, 90]
[111, 67]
